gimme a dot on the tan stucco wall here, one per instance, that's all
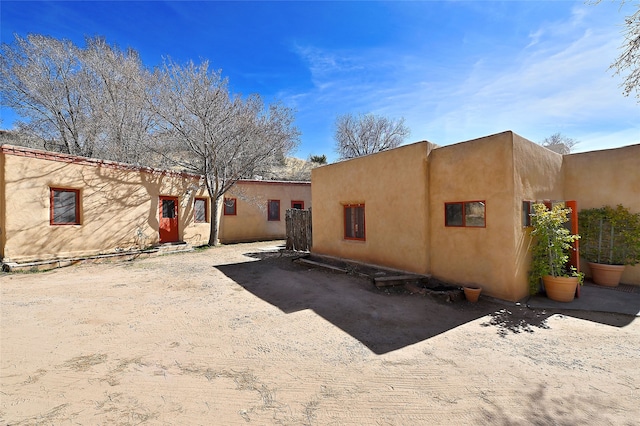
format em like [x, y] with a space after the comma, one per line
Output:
[408, 231]
[608, 177]
[250, 223]
[477, 170]
[2, 206]
[119, 207]
[537, 176]
[393, 186]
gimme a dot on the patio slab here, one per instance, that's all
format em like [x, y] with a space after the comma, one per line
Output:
[624, 299]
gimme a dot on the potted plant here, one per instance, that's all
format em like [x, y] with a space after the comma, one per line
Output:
[610, 240]
[472, 292]
[550, 254]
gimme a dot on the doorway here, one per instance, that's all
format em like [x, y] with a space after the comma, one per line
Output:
[168, 222]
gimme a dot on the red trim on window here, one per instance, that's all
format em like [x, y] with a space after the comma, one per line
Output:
[235, 207]
[464, 216]
[364, 222]
[293, 202]
[52, 190]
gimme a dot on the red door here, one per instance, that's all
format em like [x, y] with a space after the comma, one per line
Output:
[168, 219]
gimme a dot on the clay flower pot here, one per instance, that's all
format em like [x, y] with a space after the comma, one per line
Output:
[560, 289]
[608, 275]
[472, 293]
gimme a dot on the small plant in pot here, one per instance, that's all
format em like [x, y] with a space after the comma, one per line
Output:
[610, 240]
[550, 254]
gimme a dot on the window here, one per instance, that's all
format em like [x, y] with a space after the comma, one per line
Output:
[168, 209]
[465, 214]
[65, 206]
[200, 210]
[453, 214]
[229, 206]
[527, 209]
[297, 205]
[273, 207]
[354, 222]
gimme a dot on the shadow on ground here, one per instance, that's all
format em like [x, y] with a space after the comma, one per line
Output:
[384, 321]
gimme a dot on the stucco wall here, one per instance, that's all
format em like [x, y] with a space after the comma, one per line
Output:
[393, 186]
[537, 176]
[2, 206]
[608, 177]
[119, 207]
[477, 170]
[408, 232]
[250, 222]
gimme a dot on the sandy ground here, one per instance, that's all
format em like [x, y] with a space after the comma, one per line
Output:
[237, 335]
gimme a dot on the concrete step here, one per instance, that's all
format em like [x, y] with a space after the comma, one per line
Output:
[176, 247]
[45, 265]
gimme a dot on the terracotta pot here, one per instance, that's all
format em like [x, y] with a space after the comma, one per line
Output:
[608, 275]
[472, 293]
[560, 289]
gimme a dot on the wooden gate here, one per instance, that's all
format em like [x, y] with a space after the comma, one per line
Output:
[298, 224]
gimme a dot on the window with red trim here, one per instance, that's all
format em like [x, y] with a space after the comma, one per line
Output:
[354, 225]
[65, 206]
[273, 210]
[465, 214]
[527, 210]
[200, 210]
[297, 204]
[230, 207]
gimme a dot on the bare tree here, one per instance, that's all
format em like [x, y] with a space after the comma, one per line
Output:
[366, 134]
[83, 101]
[39, 80]
[115, 83]
[212, 133]
[629, 59]
[101, 101]
[559, 143]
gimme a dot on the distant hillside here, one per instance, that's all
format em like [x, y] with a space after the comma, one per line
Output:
[291, 169]
[11, 137]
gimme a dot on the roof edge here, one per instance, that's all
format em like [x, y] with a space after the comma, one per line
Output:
[22, 151]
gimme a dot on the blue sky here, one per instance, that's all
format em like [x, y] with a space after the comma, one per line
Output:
[454, 70]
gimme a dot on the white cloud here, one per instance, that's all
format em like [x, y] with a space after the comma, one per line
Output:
[561, 83]
[557, 80]
[535, 37]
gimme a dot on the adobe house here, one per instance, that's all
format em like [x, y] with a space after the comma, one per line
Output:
[457, 212]
[55, 206]
[254, 210]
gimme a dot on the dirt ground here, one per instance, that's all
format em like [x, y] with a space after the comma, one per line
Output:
[240, 334]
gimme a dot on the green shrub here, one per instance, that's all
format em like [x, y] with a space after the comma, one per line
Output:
[551, 246]
[610, 235]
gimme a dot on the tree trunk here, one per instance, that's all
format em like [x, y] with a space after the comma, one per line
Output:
[214, 221]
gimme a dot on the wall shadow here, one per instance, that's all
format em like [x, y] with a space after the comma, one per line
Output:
[118, 208]
[382, 321]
